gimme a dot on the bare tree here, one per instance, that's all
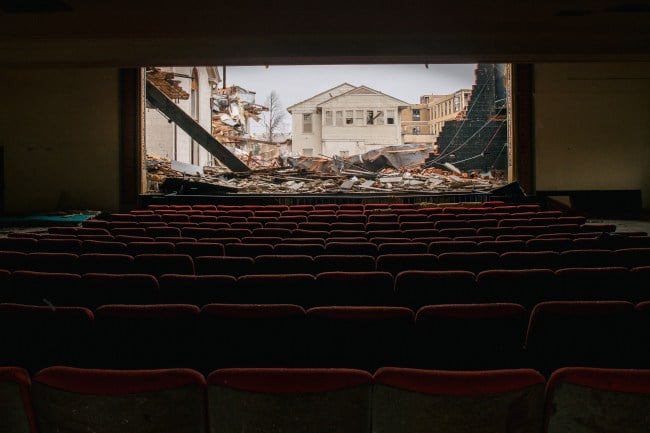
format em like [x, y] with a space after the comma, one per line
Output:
[273, 119]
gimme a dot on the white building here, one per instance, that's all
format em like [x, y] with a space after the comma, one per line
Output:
[346, 120]
[166, 139]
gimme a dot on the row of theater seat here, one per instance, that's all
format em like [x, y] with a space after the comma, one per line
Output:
[541, 241]
[348, 208]
[199, 230]
[349, 223]
[451, 207]
[248, 259]
[578, 400]
[462, 220]
[411, 288]
[452, 337]
[318, 230]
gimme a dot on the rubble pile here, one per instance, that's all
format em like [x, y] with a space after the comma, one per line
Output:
[324, 176]
[232, 108]
[166, 83]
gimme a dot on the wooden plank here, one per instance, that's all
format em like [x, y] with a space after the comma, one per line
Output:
[193, 129]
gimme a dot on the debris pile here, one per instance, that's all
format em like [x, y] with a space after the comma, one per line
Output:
[318, 175]
[232, 109]
[164, 80]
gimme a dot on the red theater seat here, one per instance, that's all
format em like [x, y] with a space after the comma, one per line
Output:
[290, 400]
[396, 263]
[164, 401]
[354, 288]
[252, 335]
[16, 414]
[105, 263]
[588, 333]
[350, 263]
[100, 289]
[612, 400]
[146, 336]
[404, 400]
[217, 265]
[521, 286]
[359, 337]
[470, 337]
[36, 337]
[295, 289]
[197, 290]
[415, 289]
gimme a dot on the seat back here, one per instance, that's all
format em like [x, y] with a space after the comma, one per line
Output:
[611, 399]
[197, 290]
[276, 289]
[406, 400]
[146, 336]
[521, 286]
[359, 337]
[415, 289]
[16, 415]
[354, 288]
[470, 337]
[130, 289]
[245, 335]
[106, 401]
[289, 400]
[36, 337]
[581, 333]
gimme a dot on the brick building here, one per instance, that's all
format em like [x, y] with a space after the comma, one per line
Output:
[478, 140]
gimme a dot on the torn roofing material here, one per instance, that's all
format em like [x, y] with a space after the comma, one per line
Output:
[166, 83]
[408, 155]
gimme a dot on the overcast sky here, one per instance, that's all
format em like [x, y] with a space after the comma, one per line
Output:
[294, 84]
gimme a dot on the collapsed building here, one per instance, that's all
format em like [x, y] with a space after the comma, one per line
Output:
[244, 164]
[189, 89]
[478, 139]
[232, 110]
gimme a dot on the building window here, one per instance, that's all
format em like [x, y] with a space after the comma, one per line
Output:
[344, 153]
[328, 118]
[349, 117]
[379, 118]
[416, 130]
[194, 96]
[306, 124]
[390, 117]
[308, 151]
[338, 118]
[370, 118]
[416, 114]
[358, 117]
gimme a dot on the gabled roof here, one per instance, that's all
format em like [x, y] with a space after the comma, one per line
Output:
[333, 89]
[365, 90]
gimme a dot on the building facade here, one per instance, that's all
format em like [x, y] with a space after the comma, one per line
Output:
[447, 107]
[416, 123]
[346, 120]
[422, 123]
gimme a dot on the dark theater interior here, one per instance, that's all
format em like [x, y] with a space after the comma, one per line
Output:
[525, 309]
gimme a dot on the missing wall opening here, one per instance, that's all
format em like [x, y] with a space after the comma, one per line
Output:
[322, 127]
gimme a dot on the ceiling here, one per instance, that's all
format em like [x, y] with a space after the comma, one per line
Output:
[126, 33]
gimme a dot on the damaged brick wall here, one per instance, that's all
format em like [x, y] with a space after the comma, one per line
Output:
[478, 141]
